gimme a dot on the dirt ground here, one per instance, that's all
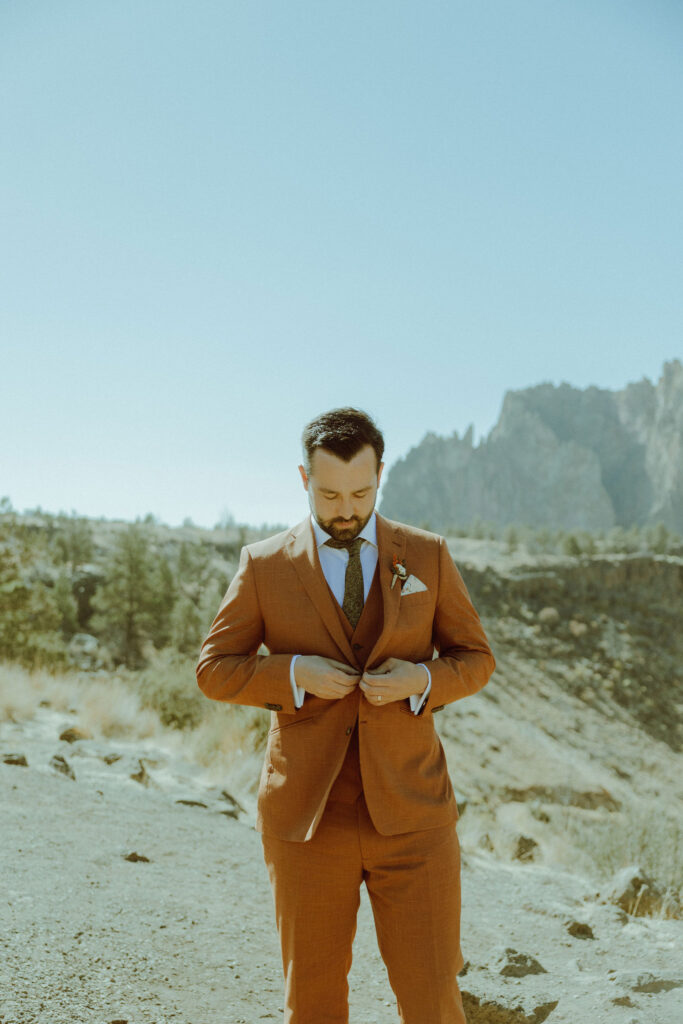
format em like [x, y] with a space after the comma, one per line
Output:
[188, 935]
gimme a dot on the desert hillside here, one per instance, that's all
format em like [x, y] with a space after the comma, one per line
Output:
[134, 887]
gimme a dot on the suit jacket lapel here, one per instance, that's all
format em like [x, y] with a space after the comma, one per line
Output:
[391, 540]
[303, 552]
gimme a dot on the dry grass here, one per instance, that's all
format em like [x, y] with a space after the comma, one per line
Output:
[102, 704]
[163, 701]
[228, 732]
[21, 693]
[650, 837]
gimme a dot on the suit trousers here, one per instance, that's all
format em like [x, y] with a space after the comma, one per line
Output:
[413, 881]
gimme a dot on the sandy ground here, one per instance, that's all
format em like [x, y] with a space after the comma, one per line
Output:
[188, 936]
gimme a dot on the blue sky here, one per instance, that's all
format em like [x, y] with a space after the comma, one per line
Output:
[221, 218]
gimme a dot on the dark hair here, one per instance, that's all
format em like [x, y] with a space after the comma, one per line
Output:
[343, 432]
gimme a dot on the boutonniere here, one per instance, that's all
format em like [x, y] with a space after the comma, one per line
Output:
[399, 572]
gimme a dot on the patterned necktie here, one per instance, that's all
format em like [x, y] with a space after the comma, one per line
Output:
[353, 581]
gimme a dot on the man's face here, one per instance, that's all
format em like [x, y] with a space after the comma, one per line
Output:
[342, 494]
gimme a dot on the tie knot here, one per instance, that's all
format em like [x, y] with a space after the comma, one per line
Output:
[352, 546]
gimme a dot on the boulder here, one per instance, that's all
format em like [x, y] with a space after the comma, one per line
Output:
[549, 616]
[18, 760]
[142, 776]
[74, 733]
[86, 653]
[525, 848]
[480, 1011]
[580, 930]
[519, 965]
[62, 766]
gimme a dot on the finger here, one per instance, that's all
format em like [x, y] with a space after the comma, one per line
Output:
[345, 688]
[336, 689]
[372, 691]
[375, 674]
[343, 676]
[342, 666]
[377, 699]
[377, 681]
[344, 682]
[342, 695]
[335, 694]
[385, 666]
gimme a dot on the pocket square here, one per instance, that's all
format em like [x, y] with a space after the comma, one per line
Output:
[412, 586]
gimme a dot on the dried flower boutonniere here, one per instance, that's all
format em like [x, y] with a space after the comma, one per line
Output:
[399, 571]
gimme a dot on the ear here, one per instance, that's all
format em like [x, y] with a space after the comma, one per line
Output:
[304, 477]
[379, 472]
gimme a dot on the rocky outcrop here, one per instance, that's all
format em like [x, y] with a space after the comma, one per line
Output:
[559, 457]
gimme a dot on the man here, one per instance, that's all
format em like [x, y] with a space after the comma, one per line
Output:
[370, 631]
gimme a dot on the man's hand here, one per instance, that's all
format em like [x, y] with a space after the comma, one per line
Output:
[393, 680]
[325, 677]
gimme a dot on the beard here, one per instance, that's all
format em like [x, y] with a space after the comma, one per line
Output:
[349, 531]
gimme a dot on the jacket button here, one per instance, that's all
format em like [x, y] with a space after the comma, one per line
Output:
[358, 647]
[273, 707]
[349, 731]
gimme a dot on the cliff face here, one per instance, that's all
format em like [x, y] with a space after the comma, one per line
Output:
[616, 618]
[559, 457]
[653, 417]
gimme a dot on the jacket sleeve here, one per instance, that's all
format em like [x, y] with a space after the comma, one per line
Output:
[465, 661]
[229, 668]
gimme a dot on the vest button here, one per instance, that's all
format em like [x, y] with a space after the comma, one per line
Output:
[349, 731]
[358, 647]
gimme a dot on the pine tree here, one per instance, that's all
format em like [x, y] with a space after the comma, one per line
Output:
[126, 604]
[29, 615]
[66, 603]
[73, 541]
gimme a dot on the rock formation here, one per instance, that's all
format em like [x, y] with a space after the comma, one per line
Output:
[559, 457]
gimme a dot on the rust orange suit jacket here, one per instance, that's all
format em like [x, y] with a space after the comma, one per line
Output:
[279, 597]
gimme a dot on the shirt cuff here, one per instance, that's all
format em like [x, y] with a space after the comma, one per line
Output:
[418, 699]
[298, 692]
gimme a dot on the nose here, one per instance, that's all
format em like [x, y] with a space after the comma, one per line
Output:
[346, 508]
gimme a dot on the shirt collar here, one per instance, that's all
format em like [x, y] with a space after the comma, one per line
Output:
[369, 531]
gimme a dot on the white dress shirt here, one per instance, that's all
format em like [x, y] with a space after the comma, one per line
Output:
[333, 562]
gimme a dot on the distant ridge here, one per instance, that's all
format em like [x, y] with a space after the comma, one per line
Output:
[560, 457]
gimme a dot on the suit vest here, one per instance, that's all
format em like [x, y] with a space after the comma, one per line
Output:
[348, 785]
